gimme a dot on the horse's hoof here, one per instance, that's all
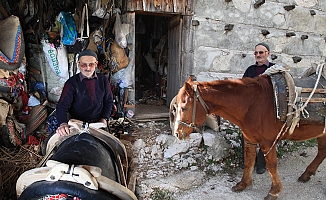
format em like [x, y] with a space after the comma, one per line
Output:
[271, 197]
[238, 187]
[303, 178]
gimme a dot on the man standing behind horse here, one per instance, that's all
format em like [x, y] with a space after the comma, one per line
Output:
[262, 52]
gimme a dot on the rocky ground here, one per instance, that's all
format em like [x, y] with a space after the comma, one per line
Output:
[201, 169]
[174, 170]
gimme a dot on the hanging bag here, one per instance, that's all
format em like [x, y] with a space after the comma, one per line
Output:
[69, 35]
[120, 38]
[82, 42]
[119, 59]
[57, 59]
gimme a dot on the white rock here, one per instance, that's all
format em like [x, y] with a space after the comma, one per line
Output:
[195, 139]
[155, 151]
[166, 140]
[190, 160]
[184, 164]
[138, 144]
[141, 155]
[179, 147]
[209, 139]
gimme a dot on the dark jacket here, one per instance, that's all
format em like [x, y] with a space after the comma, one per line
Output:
[255, 70]
[87, 100]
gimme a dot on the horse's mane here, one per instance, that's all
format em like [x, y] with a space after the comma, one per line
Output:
[263, 81]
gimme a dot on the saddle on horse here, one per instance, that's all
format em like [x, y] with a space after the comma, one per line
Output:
[300, 99]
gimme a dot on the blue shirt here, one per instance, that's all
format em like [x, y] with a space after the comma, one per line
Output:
[85, 99]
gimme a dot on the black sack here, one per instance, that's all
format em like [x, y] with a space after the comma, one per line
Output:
[79, 46]
[82, 41]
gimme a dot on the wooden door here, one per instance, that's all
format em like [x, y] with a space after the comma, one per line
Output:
[174, 59]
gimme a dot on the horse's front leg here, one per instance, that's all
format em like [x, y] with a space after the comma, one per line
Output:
[271, 164]
[249, 162]
[312, 167]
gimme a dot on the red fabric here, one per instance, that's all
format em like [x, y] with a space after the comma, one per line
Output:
[33, 140]
[60, 197]
[24, 98]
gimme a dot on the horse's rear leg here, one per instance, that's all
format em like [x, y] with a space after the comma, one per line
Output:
[312, 167]
[249, 161]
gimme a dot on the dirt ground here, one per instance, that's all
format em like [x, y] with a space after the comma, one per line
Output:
[161, 178]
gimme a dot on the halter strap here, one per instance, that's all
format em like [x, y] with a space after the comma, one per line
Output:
[202, 102]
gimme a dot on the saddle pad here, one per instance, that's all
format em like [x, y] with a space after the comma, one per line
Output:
[280, 96]
[12, 46]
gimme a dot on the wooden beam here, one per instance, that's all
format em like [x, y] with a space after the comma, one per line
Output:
[314, 100]
[33, 70]
[318, 90]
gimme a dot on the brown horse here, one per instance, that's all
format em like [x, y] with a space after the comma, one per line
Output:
[248, 103]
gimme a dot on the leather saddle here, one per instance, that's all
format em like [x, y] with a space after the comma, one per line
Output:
[290, 94]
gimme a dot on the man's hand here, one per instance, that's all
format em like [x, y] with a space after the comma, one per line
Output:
[104, 121]
[63, 129]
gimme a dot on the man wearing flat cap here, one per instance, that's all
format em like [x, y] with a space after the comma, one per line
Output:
[261, 53]
[86, 96]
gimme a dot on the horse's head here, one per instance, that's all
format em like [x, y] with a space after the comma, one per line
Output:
[189, 112]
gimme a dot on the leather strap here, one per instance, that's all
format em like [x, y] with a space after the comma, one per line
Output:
[81, 30]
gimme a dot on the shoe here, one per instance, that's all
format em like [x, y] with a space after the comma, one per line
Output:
[260, 169]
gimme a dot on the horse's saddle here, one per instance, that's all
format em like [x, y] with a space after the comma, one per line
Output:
[291, 94]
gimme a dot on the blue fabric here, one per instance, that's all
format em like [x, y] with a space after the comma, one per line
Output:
[52, 124]
[39, 86]
[69, 28]
[87, 100]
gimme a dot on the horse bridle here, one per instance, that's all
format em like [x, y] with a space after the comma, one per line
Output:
[202, 102]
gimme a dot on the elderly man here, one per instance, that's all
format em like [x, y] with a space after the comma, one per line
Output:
[261, 53]
[86, 96]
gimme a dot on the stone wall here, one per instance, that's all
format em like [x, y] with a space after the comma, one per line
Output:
[220, 53]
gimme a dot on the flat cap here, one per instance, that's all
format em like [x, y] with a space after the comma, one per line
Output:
[87, 52]
[263, 44]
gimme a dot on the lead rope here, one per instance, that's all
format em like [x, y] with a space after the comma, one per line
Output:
[279, 135]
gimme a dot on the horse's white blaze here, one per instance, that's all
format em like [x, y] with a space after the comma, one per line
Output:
[177, 118]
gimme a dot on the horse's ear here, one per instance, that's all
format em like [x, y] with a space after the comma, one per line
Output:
[187, 87]
[189, 79]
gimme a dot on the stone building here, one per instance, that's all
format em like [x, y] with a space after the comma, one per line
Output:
[168, 41]
[295, 31]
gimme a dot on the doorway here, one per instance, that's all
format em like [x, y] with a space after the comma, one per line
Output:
[151, 65]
